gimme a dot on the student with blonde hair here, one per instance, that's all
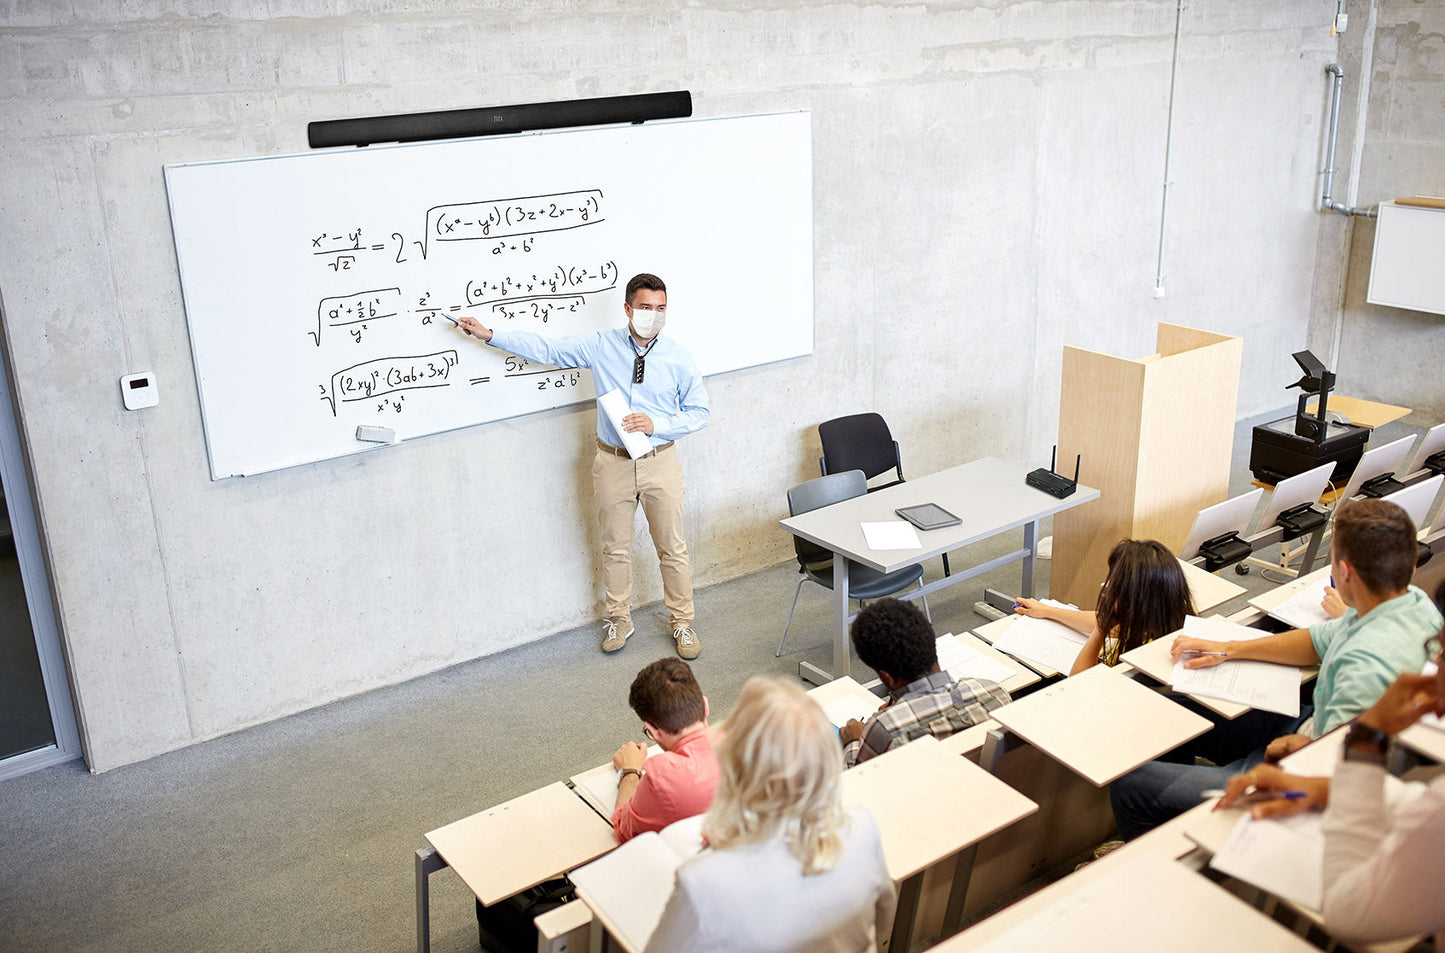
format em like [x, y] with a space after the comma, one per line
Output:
[786, 867]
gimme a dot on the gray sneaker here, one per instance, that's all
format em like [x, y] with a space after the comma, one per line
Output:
[615, 632]
[688, 645]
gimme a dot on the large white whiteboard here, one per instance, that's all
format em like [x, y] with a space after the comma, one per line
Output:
[316, 286]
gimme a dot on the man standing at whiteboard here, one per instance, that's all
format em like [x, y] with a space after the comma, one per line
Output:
[667, 400]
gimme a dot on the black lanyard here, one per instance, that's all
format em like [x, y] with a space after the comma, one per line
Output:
[639, 365]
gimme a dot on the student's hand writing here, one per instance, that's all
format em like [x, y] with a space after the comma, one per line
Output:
[1283, 746]
[630, 755]
[475, 328]
[851, 732]
[1332, 604]
[1409, 697]
[1031, 607]
[1198, 653]
[1270, 783]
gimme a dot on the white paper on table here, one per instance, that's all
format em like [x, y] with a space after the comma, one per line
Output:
[841, 710]
[962, 661]
[1303, 609]
[1266, 685]
[630, 886]
[893, 534]
[1283, 856]
[1430, 719]
[1049, 643]
[614, 406]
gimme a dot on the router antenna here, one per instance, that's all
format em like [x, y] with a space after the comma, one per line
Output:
[1076, 467]
[1053, 458]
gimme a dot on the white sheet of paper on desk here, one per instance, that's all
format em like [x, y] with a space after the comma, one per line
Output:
[1049, 643]
[1430, 719]
[893, 534]
[962, 661]
[840, 710]
[629, 887]
[1302, 609]
[1283, 856]
[614, 405]
[1266, 685]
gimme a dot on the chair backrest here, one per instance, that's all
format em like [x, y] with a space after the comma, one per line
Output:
[859, 442]
[814, 494]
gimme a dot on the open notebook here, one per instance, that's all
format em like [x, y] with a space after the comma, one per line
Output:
[628, 888]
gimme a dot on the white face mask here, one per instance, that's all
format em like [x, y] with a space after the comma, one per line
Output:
[648, 324]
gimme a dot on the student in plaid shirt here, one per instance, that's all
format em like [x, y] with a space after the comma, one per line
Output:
[897, 641]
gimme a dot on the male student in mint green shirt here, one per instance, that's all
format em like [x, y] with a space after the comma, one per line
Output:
[1381, 635]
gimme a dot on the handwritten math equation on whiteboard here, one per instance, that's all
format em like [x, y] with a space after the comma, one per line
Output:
[504, 265]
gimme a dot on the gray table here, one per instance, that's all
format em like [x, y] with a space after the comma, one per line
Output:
[988, 495]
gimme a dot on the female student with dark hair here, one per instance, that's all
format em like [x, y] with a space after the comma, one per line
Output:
[1144, 597]
[787, 867]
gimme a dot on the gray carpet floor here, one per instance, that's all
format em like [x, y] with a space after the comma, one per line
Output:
[299, 834]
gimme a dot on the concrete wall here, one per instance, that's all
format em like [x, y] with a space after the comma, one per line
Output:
[1392, 143]
[988, 179]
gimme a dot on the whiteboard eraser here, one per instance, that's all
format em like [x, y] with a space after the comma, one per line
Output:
[375, 434]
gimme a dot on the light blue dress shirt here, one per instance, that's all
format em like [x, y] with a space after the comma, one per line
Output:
[671, 392]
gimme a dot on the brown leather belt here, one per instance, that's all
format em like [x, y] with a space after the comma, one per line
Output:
[619, 452]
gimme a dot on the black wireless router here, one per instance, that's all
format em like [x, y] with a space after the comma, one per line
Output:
[1052, 483]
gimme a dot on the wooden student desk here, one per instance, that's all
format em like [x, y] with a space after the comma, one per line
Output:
[1208, 591]
[1099, 724]
[508, 848]
[1142, 901]
[988, 495]
[930, 804]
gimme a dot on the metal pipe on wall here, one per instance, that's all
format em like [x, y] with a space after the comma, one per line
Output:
[1326, 198]
[1168, 150]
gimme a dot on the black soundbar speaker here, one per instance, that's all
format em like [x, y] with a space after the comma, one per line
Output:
[498, 120]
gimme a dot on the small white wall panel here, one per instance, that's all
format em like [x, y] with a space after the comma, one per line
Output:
[1408, 267]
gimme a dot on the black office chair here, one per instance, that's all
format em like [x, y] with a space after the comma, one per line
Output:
[816, 563]
[862, 442]
[859, 442]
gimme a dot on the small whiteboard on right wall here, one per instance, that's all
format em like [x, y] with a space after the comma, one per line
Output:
[1406, 271]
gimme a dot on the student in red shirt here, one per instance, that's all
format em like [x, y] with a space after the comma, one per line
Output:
[679, 782]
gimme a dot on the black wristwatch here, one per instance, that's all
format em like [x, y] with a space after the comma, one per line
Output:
[1363, 743]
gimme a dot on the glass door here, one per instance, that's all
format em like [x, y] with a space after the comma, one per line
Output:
[37, 721]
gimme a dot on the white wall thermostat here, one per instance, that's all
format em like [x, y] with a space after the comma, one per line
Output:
[139, 390]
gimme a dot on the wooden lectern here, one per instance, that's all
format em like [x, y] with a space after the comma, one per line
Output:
[1156, 436]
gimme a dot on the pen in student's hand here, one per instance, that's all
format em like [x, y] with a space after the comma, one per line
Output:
[1255, 795]
[452, 320]
[1196, 653]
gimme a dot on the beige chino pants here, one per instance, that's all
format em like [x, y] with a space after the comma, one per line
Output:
[619, 484]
